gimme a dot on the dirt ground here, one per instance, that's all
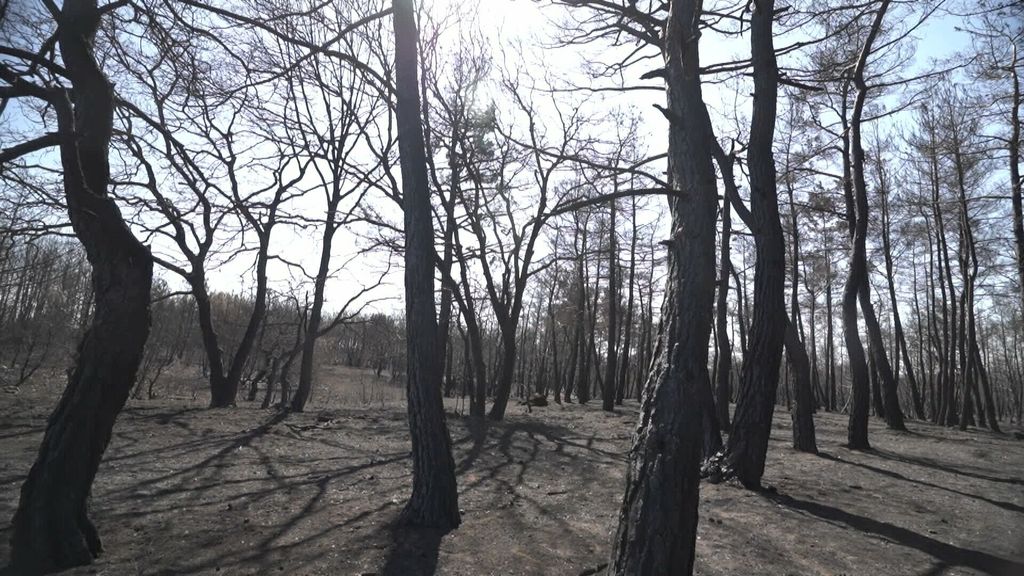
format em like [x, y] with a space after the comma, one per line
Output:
[185, 490]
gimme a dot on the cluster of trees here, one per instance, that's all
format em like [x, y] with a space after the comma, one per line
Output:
[46, 305]
[856, 213]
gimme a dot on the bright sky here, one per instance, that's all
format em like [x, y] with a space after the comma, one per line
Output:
[525, 23]
[507, 24]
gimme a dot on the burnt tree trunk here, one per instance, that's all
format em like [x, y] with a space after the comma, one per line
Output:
[856, 281]
[51, 527]
[305, 385]
[506, 369]
[434, 499]
[724, 369]
[207, 331]
[582, 384]
[891, 400]
[830, 360]
[611, 366]
[802, 413]
[759, 378]
[877, 405]
[620, 389]
[657, 526]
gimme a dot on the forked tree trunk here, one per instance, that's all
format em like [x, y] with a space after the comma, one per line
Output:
[857, 208]
[506, 371]
[224, 391]
[51, 527]
[657, 526]
[434, 499]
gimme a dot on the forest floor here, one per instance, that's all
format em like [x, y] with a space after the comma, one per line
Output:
[186, 490]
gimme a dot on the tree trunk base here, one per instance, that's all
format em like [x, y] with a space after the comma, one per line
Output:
[49, 536]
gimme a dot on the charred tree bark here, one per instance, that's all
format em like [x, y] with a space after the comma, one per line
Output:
[755, 398]
[611, 366]
[658, 520]
[830, 367]
[434, 499]
[877, 404]
[620, 390]
[893, 413]
[589, 351]
[856, 281]
[224, 390]
[802, 413]
[724, 369]
[51, 529]
[506, 369]
[207, 331]
[583, 351]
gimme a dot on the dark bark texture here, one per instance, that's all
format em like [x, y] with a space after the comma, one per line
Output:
[51, 529]
[755, 399]
[657, 526]
[803, 408]
[434, 500]
[856, 281]
[724, 371]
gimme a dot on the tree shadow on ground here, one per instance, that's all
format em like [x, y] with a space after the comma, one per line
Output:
[1008, 506]
[948, 554]
[943, 467]
[414, 550]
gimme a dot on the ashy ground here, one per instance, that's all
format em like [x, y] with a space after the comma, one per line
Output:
[186, 490]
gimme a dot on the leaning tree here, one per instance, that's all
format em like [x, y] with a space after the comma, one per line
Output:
[51, 527]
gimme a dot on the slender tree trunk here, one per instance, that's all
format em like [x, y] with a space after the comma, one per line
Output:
[816, 385]
[583, 373]
[590, 353]
[434, 499]
[901, 340]
[620, 392]
[755, 399]
[272, 375]
[877, 404]
[857, 280]
[830, 368]
[724, 347]
[741, 308]
[803, 409]
[611, 366]
[892, 412]
[305, 386]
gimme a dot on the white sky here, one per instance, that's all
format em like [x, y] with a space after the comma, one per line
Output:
[507, 24]
[523, 23]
